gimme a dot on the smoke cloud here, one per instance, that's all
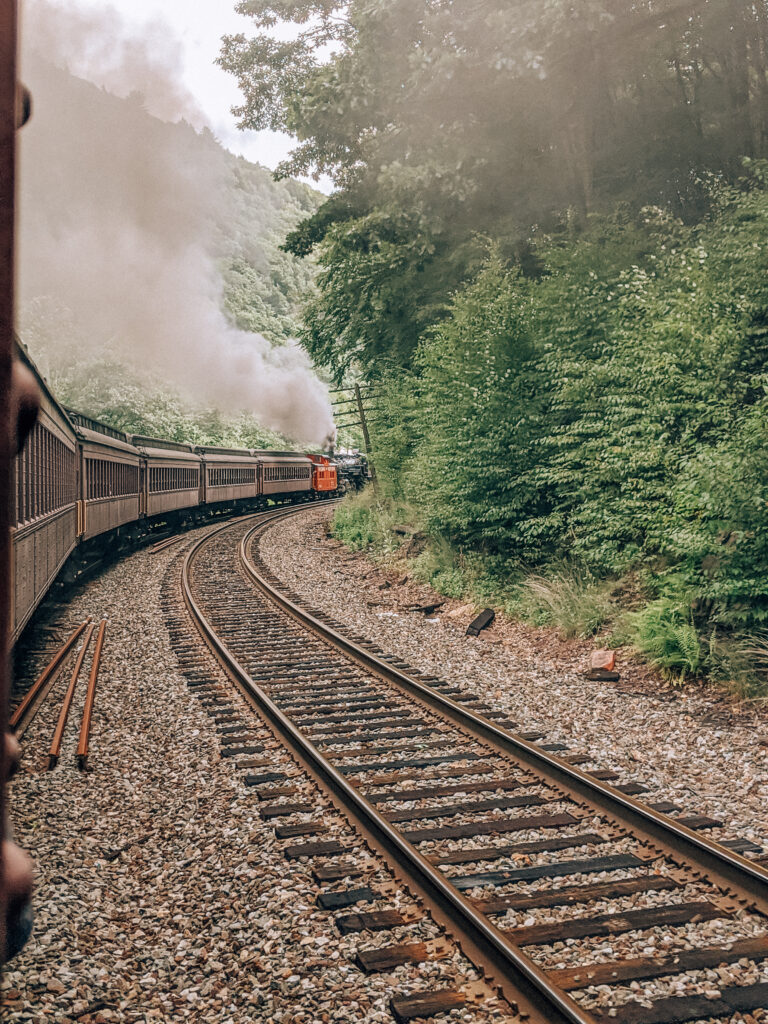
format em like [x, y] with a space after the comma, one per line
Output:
[119, 215]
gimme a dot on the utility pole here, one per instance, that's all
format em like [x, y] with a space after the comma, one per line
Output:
[364, 425]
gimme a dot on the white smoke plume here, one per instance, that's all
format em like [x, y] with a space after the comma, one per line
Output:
[118, 212]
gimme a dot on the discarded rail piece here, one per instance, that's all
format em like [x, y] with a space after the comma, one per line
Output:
[85, 728]
[58, 734]
[34, 697]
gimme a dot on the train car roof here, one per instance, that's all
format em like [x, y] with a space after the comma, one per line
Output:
[170, 454]
[105, 441]
[81, 421]
[269, 451]
[282, 456]
[210, 449]
[225, 455]
[159, 443]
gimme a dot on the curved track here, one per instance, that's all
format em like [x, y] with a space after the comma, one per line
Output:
[446, 792]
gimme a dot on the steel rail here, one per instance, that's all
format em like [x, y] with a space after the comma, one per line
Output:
[85, 728]
[735, 875]
[58, 733]
[33, 698]
[525, 986]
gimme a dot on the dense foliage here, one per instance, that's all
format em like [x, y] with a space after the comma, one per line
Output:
[547, 247]
[442, 120]
[612, 414]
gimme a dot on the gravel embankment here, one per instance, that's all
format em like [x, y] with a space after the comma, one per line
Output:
[689, 747]
[161, 893]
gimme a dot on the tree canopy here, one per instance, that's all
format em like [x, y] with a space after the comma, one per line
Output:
[445, 122]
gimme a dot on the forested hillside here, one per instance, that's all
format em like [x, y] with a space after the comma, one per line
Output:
[548, 248]
[130, 224]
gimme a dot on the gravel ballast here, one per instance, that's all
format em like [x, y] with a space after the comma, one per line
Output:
[687, 747]
[161, 893]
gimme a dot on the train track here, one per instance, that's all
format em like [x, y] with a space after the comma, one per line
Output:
[577, 901]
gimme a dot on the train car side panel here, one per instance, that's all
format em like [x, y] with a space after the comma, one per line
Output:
[230, 475]
[110, 483]
[44, 517]
[172, 474]
[285, 474]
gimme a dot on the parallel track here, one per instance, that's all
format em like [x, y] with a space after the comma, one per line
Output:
[349, 715]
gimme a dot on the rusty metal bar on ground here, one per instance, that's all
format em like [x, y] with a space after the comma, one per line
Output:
[25, 712]
[85, 728]
[53, 753]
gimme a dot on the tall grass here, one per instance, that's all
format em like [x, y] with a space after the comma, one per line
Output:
[569, 599]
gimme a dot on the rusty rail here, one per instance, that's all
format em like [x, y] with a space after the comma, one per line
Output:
[85, 728]
[167, 543]
[33, 698]
[53, 753]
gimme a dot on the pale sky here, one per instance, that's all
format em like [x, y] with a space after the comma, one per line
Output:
[199, 25]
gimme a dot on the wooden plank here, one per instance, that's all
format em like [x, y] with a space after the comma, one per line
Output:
[239, 737]
[326, 849]
[270, 794]
[335, 872]
[572, 978]
[699, 821]
[678, 1009]
[489, 828]
[390, 734]
[255, 748]
[425, 1004]
[631, 788]
[378, 921]
[265, 777]
[498, 803]
[617, 862]
[387, 713]
[576, 894]
[352, 727]
[310, 828]
[483, 621]
[387, 958]
[449, 773]
[414, 762]
[384, 748]
[613, 924]
[486, 853]
[281, 810]
[486, 786]
[345, 898]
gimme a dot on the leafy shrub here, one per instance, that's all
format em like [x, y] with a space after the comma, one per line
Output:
[663, 634]
[443, 569]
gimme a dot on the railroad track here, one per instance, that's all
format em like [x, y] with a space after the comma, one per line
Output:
[576, 900]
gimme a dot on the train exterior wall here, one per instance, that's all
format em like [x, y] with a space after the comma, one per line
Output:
[44, 504]
[39, 553]
[229, 476]
[286, 474]
[107, 514]
[109, 483]
[172, 480]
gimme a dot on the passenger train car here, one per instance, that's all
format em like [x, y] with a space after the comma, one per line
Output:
[81, 487]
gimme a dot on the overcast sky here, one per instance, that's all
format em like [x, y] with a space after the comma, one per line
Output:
[199, 25]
